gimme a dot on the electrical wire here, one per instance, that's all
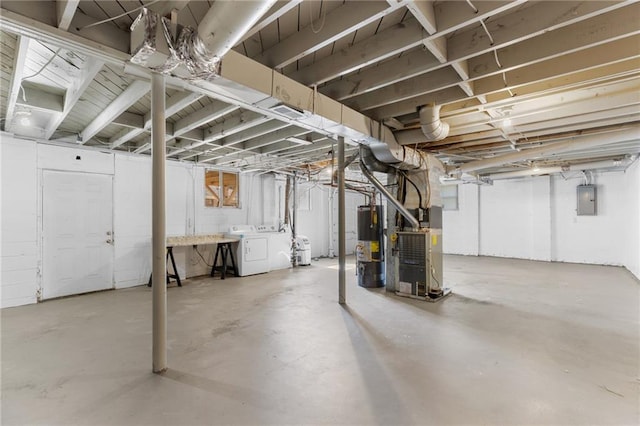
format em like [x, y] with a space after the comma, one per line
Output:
[323, 13]
[487, 31]
[119, 16]
[24, 97]
[201, 257]
[416, 188]
[475, 9]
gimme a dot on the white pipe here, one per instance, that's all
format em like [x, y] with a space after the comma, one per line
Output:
[625, 162]
[227, 21]
[573, 144]
[432, 127]
[158, 239]
[342, 299]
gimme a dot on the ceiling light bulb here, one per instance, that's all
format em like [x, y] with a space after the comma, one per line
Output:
[25, 121]
[506, 122]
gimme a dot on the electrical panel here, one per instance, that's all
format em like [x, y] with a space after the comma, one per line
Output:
[586, 200]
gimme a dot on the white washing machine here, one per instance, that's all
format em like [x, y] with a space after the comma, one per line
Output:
[252, 253]
[279, 246]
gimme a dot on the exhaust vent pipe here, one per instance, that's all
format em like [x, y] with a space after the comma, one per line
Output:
[432, 127]
[367, 157]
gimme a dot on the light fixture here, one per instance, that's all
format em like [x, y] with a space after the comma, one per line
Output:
[24, 116]
[506, 123]
[535, 167]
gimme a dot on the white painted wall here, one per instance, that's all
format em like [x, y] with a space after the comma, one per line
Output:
[318, 219]
[19, 250]
[461, 236]
[261, 202]
[536, 218]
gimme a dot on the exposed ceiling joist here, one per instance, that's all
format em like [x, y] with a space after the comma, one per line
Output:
[339, 22]
[176, 103]
[65, 10]
[131, 94]
[19, 59]
[383, 45]
[74, 93]
[230, 126]
[277, 11]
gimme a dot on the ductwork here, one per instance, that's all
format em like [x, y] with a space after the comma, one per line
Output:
[572, 144]
[191, 54]
[366, 157]
[244, 82]
[593, 165]
[432, 127]
[227, 21]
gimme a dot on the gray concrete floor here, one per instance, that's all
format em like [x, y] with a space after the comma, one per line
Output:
[518, 342]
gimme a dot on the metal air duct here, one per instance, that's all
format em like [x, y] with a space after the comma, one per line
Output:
[227, 21]
[432, 127]
[365, 157]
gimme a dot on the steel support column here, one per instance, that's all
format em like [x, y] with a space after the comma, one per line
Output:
[158, 239]
[341, 223]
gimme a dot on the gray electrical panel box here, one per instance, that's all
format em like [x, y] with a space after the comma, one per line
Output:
[586, 200]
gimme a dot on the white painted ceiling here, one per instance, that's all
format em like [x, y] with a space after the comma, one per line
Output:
[555, 69]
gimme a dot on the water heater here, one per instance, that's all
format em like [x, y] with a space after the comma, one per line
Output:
[370, 247]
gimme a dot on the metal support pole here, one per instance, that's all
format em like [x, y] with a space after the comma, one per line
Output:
[158, 239]
[341, 224]
[294, 233]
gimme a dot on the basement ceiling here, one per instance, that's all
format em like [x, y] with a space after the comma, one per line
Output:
[508, 75]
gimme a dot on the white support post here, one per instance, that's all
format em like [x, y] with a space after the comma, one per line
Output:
[341, 224]
[158, 239]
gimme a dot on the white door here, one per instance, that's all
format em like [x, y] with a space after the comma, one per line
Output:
[77, 229]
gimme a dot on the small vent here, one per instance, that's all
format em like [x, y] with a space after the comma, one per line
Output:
[412, 248]
[287, 111]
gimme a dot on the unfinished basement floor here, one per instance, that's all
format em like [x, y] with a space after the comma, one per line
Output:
[519, 342]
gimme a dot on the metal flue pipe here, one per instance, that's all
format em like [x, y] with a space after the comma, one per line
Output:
[364, 156]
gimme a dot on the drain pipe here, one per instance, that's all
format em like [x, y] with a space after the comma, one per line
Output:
[364, 157]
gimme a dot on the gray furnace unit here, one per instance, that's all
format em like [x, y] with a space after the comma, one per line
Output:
[420, 264]
[369, 250]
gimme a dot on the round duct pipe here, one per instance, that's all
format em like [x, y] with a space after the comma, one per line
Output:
[227, 21]
[432, 127]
